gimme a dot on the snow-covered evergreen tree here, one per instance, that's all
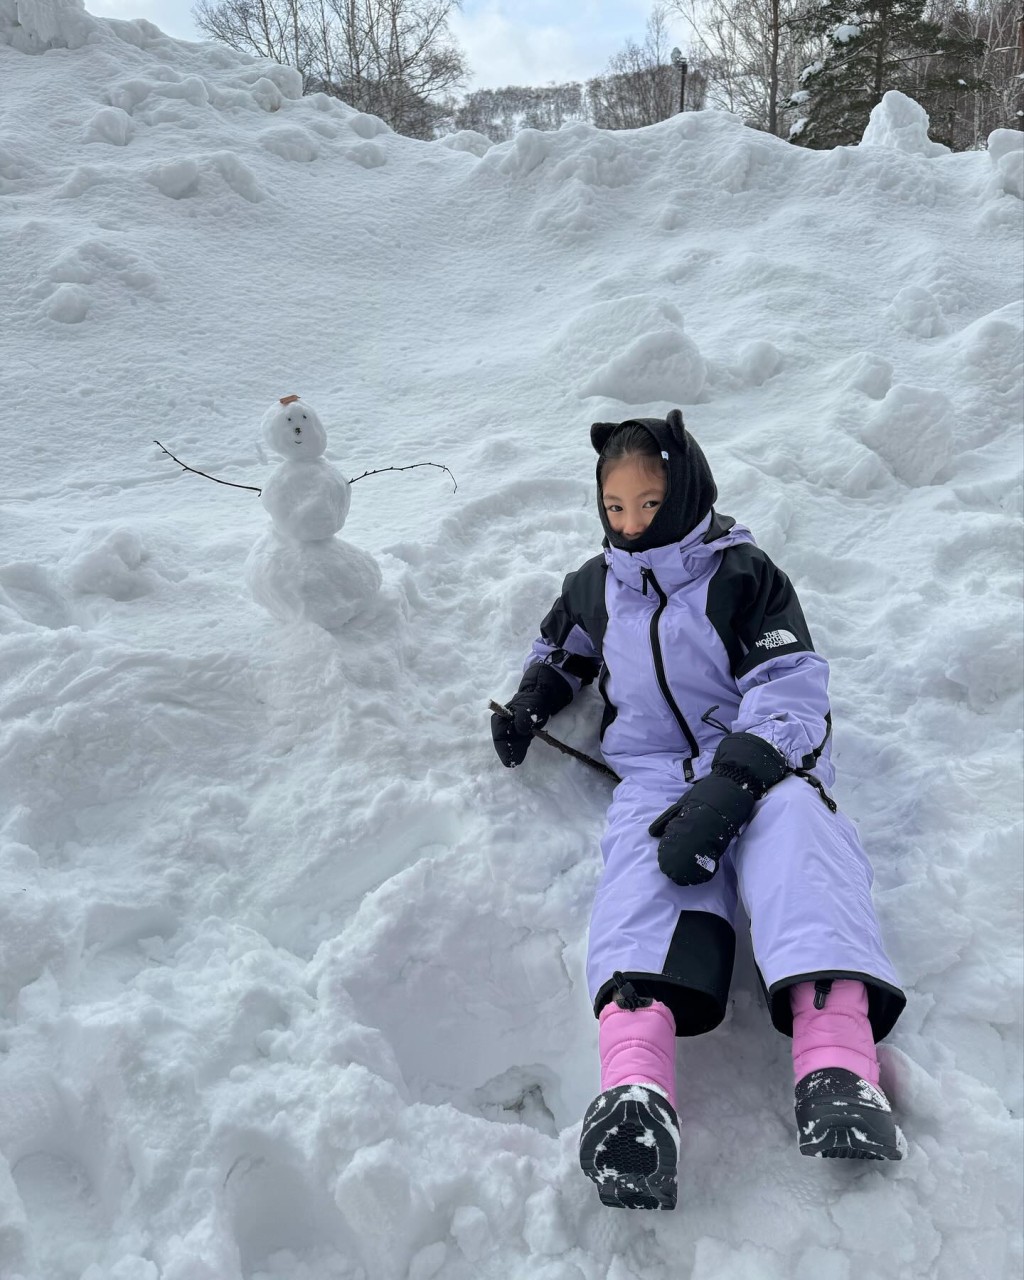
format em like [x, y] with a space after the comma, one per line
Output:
[869, 51]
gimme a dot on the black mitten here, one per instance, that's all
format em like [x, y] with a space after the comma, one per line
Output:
[696, 831]
[542, 692]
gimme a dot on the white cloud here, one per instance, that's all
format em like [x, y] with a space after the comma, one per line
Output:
[540, 41]
[501, 53]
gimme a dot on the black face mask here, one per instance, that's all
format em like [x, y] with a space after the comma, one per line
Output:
[690, 492]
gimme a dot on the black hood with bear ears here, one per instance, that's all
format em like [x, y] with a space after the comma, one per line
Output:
[691, 491]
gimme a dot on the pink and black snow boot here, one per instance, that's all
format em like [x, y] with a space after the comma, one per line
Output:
[840, 1110]
[629, 1145]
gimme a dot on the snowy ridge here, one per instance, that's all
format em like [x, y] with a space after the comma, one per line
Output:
[290, 969]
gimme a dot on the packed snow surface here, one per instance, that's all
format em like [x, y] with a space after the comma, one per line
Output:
[290, 967]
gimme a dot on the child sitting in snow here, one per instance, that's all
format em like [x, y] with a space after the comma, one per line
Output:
[717, 721]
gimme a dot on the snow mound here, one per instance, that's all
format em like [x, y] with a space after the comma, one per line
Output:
[1005, 142]
[476, 144]
[1006, 151]
[368, 155]
[290, 143]
[367, 126]
[633, 350]
[900, 123]
[991, 351]
[758, 361]
[111, 125]
[917, 310]
[110, 562]
[912, 431]
[866, 372]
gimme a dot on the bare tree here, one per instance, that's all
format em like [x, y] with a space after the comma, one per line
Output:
[393, 58]
[501, 113]
[751, 54]
[640, 85]
[267, 28]
[967, 112]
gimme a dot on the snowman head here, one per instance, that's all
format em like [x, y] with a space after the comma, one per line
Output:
[293, 430]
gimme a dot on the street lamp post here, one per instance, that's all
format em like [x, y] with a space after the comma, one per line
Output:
[679, 61]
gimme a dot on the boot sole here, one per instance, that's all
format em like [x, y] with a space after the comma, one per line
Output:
[630, 1148]
[850, 1132]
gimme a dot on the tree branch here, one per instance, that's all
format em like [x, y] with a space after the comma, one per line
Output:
[230, 483]
[409, 467]
[499, 710]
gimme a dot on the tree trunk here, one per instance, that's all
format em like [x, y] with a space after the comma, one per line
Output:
[883, 36]
[773, 70]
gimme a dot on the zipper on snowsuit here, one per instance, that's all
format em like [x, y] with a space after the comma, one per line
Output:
[659, 668]
[822, 988]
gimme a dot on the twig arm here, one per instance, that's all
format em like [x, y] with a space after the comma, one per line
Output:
[230, 483]
[408, 467]
[499, 710]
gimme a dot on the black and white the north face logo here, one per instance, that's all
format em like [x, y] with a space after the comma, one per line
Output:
[775, 640]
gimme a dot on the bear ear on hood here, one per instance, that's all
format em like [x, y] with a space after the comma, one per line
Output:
[600, 433]
[676, 426]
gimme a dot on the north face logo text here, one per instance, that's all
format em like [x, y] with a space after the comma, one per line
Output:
[775, 640]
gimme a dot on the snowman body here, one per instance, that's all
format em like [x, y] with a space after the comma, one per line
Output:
[307, 501]
[299, 570]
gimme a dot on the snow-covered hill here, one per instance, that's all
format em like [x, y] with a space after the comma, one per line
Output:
[290, 968]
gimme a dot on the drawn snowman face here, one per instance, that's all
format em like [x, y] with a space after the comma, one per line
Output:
[295, 432]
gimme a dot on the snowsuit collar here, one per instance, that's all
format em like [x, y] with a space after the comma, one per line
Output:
[677, 563]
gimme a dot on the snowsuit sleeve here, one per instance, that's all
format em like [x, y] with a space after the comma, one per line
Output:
[567, 634]
[783, 683]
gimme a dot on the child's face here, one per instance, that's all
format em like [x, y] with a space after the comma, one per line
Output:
[632, 490]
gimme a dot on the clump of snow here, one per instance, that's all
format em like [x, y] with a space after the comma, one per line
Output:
[367, 126]
[758, 361]
[290, 144]
[633, 350]
[917, 310]
[1004, 142]
[110, 124]
[477, 144]
[368, 155]
[901, 123]
[1006, 151]
[867, 372]
[912, 430]
[109, 562]
[176, 180]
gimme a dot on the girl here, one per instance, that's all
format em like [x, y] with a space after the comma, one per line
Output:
[716, 718]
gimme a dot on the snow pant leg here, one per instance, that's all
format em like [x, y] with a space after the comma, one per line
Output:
[675, 944]
[805, 882]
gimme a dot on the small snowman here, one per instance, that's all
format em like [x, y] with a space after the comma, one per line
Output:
[299, 569]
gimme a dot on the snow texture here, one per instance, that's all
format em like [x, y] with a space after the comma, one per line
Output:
[291, 971]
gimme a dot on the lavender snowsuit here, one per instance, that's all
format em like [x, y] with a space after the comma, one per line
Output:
[691, 641]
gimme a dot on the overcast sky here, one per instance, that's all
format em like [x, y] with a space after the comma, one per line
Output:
[506, 41]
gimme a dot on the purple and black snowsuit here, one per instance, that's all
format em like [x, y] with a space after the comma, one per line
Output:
[690, 641]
